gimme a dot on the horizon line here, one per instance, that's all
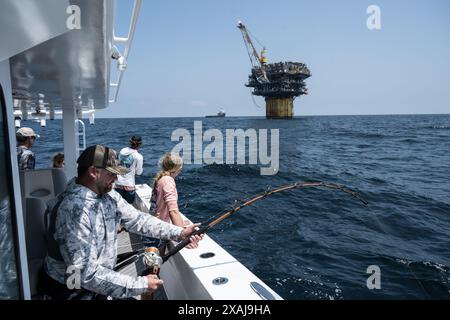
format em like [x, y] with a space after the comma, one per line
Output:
[298, 116]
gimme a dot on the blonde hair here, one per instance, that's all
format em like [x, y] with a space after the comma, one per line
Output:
[169, 163]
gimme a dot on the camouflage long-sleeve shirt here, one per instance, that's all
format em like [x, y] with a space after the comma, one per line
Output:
[86, 232]
[25, 158]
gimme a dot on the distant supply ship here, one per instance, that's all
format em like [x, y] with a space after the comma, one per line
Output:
[219, 114]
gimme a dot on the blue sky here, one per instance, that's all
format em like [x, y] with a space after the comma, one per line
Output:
[188, 58]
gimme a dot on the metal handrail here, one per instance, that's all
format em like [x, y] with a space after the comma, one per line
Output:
[81, 146]
[127, 43]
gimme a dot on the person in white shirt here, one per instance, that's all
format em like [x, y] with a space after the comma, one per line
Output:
[130, 158]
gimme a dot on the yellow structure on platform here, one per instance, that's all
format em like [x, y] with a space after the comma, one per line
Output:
[279, 108]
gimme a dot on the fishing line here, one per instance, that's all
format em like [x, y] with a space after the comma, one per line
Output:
[204, 227]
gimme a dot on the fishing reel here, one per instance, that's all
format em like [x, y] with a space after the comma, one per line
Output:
[152, 260]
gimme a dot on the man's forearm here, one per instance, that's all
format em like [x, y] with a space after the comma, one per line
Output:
[111, 283]
[150, 226]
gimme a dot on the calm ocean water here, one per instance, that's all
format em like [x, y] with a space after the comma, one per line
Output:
[317, 244]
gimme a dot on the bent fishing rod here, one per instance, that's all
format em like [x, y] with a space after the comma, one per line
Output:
[205, 226]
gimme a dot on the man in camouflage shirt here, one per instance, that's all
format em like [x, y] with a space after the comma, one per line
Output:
[25, 139]
[86, 219]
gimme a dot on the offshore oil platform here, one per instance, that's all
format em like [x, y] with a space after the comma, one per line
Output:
[279, 83]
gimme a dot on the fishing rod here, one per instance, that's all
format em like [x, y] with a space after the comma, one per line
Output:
[127, 258]
[152, 259]
[205, 227]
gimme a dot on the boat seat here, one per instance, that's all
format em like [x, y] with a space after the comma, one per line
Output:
[37, 188]
[35, 239]
[44, 184]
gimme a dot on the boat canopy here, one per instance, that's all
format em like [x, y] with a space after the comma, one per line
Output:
[68, 70]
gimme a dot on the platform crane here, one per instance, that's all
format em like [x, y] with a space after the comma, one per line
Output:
[258, 61]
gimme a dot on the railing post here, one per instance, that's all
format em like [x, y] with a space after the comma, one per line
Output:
[70, 142]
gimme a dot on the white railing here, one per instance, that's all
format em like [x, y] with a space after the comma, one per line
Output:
[122, 58]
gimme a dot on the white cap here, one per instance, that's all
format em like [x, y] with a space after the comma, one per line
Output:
[26, 132]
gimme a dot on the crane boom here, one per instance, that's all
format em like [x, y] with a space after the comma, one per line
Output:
[255, 59]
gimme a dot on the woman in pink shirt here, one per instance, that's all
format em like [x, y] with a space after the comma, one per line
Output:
[165, 190]
[164, 202]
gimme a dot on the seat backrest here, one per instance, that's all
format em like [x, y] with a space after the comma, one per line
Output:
[44, 184]
[35, 235]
